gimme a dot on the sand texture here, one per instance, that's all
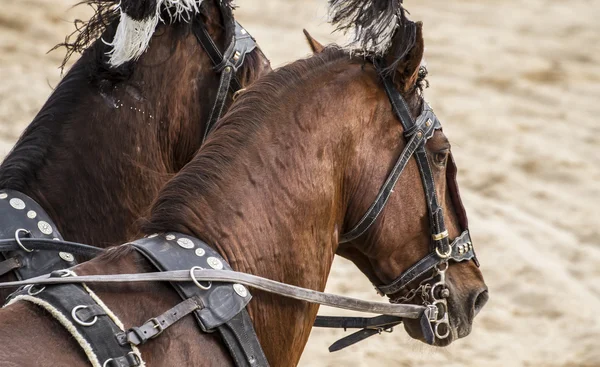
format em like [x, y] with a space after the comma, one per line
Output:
[517, 86]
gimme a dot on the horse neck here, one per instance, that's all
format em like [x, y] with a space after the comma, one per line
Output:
[274, 210]
[97, 153]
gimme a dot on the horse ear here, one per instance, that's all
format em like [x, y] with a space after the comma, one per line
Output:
[406, 54]
[314, 45]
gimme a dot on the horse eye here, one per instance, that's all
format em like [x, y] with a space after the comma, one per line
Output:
[440, 157]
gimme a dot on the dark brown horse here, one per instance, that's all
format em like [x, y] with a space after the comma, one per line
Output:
[114, 131]
[292, 166]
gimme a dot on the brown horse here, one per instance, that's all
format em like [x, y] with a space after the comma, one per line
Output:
[112, 134]
[292, 166]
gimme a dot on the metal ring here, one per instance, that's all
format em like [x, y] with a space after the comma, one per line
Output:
[138, 359]
[29, 288]
[443, 255]
[107, 361]
[66, 273]
[19, 240]
[78, 320]
[196, 281]
[437, 332]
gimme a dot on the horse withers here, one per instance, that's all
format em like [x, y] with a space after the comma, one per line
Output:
[282, 181]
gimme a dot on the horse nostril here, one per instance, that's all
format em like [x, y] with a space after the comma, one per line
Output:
[480, 301]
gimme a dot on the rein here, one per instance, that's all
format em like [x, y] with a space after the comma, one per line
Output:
[227, 276]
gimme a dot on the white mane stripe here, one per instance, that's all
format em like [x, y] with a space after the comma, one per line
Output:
[133, 36]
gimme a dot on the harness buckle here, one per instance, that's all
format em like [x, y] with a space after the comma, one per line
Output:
[157, 325]
[440, 236]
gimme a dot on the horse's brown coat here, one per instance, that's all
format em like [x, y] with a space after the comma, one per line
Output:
[296, 161]
[100, 149]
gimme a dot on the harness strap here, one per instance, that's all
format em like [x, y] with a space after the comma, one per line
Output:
[9, 265]
[217, 110]
[155, 326]
[23, 219]
[85, 317]
[45, 244]
[343, 322]
[227, 64]
[386, 190]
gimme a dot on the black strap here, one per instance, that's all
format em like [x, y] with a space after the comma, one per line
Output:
[44, 244]
[88, 318]
[344, 322]
[22, 216]
[384, 193]
[155, 326]
[217, 110]
[462, 250]
[227, 64]
[223, 307]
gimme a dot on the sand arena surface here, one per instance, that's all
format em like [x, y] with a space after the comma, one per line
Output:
[517, 86]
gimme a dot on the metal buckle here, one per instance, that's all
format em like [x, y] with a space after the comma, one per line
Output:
[157, 325]
[440, 236]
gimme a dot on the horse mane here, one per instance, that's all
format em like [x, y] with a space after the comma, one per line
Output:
[29, 153]
[231, 135]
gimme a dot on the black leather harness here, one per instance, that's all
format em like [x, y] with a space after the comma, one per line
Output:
[21, 216]
[226, 63]
[461, 249]
[223, 304]
[217, 307]
[87, 320]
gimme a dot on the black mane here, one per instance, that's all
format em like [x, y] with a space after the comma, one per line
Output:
[374, 23]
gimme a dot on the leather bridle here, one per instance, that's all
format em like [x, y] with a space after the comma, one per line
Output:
[227, 63]
[417, 133]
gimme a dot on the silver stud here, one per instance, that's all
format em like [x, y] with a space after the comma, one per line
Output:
[170, 237]
[428, 123]
[240, 290]
[44, 227]
[214, 263]
[56, 239]
[236, 56]
[460, 249]
[17, 203]
[66, 256]
[153, 235]
[31, 214]
[199, 252]
[3, 195]
[243, 31]
[185, 243]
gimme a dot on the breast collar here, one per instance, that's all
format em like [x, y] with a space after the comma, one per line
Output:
[21, 216]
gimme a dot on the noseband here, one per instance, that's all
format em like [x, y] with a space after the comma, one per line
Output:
[417, 133]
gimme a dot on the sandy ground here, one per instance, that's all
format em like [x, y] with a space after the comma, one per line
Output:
[517, 85]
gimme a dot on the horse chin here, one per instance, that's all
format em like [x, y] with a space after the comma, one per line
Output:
[413, 329]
